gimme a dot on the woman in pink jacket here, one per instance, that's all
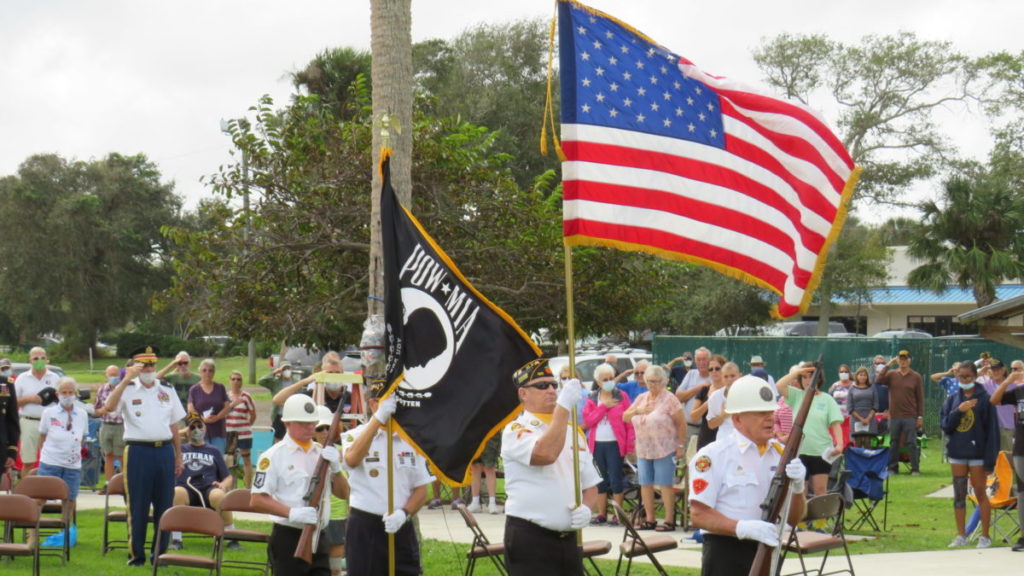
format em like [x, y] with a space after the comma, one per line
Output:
[610, 438]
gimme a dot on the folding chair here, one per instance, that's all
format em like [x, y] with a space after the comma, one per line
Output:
[592, 549]
[682, 490]
[192, 520]
[1002, 498]
[114, 488]
[481, 547]
[23, 511]
[46, 489]
[829, 508]
[239, 501]
[869, 479]
[634, 545]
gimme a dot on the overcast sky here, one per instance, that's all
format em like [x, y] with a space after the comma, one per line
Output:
[86, 78]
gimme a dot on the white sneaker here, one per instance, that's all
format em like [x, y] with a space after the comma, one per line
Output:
[494, 509]
[984, 542]
[474, 508]
[959, 541]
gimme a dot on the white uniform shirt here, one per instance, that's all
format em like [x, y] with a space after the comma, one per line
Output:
[369, 481]
[543, 495]
[730, 476]
[63, 447]
[283, 472]
[27, 384]
[149, 412]
[716, 405]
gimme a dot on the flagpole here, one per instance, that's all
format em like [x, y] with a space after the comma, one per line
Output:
[571, 327]
[391, 495]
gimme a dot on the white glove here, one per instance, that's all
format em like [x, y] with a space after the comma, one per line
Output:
[570, 395]
[385, 409]
[581, 516]
[303, 515]
[331, 454]
[764, 532]
[797, 473]
[394, 521]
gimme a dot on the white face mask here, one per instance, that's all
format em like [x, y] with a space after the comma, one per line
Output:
[879, 368]
[844, 376]
[286, 374]
[687, 363]
[333, 386]
[147, 378]
[67, 401]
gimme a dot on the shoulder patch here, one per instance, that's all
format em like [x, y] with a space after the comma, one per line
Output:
[259, 479]
[264, 463]
[349, 438]
[703, 464]
[516, 426]
[698, 485]
[534, 423]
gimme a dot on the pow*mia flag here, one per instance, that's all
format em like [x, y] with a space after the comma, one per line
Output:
[451, 352]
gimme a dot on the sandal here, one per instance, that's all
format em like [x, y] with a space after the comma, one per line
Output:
[613, 521]
[666, 527]
[646, 525]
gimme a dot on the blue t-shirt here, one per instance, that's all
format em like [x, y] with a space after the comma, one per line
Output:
[202, 466]
[632, 388]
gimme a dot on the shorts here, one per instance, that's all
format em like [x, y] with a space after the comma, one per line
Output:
[112, 439]
[29, 440]
[334, 533]
[815, 465]
[71, 476]
[199, 498]
[660, 472]
[967, 461]
[492, 450]
[234, 443]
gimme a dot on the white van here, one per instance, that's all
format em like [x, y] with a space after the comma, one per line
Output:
[587, 361]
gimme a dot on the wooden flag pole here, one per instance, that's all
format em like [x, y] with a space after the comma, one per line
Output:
[571, 328]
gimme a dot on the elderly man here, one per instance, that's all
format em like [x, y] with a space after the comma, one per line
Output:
[636, 385]
[177, 375]
[541, 511]
[111, 424]
[696, 379]
[36, 389]
[204, 477]
[906, 409]
[151, 412]
[10, 429]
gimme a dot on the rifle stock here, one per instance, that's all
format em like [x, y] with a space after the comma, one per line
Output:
[321, 478]
[777, 494]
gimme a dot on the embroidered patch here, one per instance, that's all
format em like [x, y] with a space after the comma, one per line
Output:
[699, 485]
[259, 479]
[523, 431]
[703, 464]
[516, 426]
[349, 438]
[163, 396]
[264, 463]
[534, 422]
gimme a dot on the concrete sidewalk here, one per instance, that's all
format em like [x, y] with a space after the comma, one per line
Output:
[446, 525]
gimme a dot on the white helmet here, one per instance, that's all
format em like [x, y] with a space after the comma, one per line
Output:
[750, 394]
[325, 416]
[299, 408]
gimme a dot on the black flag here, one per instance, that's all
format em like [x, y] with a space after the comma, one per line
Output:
[450, 351]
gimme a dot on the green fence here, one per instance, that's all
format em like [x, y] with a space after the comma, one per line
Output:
[930, 355]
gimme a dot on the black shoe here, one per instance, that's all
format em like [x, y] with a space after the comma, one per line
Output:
[136, 563]
[1019, 546]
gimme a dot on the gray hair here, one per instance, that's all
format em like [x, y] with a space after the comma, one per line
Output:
[208, 362]
[657, 374]
[67, 380]
[604, 372]
[331, 357]
[642, 364]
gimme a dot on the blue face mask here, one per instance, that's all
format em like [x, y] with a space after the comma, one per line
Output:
[114, 380]
[608, 385]
[965, 385]
[5, 373]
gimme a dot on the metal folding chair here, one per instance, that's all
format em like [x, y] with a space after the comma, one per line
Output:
[23, 511]
[827, 507]
[634, 545]
[481, 546]
[192, 520]
[46, 490]
[240, 501]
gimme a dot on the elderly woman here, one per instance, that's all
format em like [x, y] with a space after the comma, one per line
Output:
[657, 418]
[608, 437]
[62, 427]
[823, 433]
[211, 399]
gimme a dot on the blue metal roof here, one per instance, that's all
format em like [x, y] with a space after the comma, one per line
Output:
[952, 295]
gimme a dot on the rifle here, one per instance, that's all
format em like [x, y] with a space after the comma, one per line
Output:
[321, 478]
[778, 494]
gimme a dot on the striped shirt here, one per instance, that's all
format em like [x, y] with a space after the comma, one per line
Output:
[238, 417]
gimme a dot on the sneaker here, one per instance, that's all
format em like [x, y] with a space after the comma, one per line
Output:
[175, 545]
[434, 504]
[475, 508]
[234, 545]
[493, 509]
[958, 542]
[456, 502]
[984, 542]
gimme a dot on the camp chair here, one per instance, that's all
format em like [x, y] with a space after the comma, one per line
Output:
[481, 546]
[634, 545]
[16, 509]
[239, 501]
[1001, 497]
[192, 520]
[869, 479]
[49, 490]
[828, 508]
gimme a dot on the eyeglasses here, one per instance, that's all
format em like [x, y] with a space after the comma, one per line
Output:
[640, 373]
[714, 369]
[233, 379]
[540, 385]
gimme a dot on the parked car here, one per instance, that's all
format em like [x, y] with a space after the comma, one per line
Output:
[903, 333]
[588, 360]
[803, 328]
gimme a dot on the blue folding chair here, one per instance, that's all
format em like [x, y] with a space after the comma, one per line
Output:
[869, 479]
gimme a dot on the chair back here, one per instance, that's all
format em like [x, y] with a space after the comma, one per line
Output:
[237, 501]
[42, 488]
[192, 519]
[1004, 481]
[478, 535]
[626, 521]
[18, 508]
[823, 507]
[868, 471]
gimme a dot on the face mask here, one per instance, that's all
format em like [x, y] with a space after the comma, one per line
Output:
[114, 380]
[67, 401]
[147, 378]
[608, 385]
[5, 373]
[286, 374]
[844, 376]
[687, 363]
[196, 435]
[879, 367]
[39, 365]
[333, 386]
[965, 385]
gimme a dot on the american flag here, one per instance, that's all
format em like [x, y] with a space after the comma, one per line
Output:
[664, 158]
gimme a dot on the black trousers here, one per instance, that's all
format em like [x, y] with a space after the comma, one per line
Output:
[366, 546]
[283, 540]
[532, 550]
[726, 556]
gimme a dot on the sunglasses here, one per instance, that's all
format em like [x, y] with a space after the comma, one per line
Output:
[36, 358]
[714, 369]
[322, 428]
[540, 385]
[182, 363]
